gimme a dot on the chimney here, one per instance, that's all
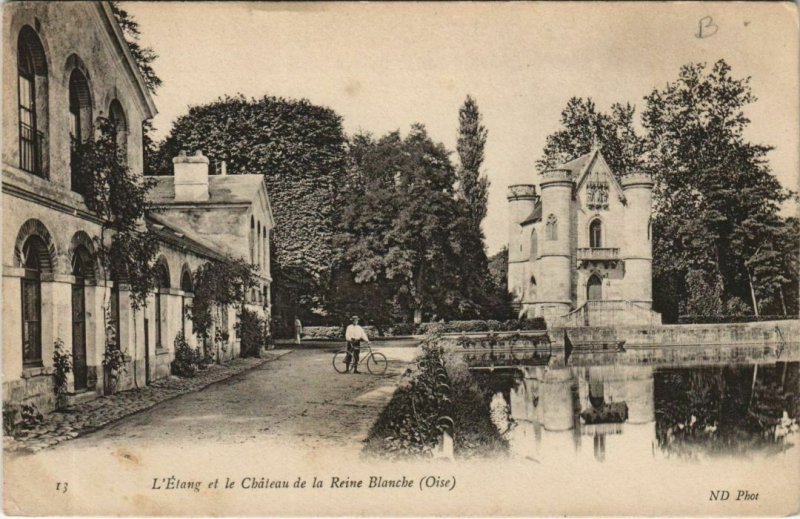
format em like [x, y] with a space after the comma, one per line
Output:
[191, 177]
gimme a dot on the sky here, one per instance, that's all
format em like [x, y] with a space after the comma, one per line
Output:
[383, 67]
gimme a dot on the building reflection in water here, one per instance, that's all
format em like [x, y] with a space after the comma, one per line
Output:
[585, 413]
[582, 413]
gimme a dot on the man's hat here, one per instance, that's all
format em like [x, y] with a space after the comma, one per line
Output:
[354, 317]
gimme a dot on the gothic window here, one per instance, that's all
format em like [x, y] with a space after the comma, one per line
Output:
[534, 245]
[32, 98]
[80, 121]
[552, 227]
[594, 289]
[595, 234]
[34, 252]
[533, 288]
[649, 229]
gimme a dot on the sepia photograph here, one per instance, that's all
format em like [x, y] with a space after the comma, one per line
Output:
[377, 259]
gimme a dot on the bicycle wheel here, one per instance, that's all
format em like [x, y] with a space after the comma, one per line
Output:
[377, 364]
[338, 361]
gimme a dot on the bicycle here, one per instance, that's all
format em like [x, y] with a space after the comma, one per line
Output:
[375, 360]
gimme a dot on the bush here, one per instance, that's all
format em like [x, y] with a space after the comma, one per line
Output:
[187, 359]
[478, 325]
[62, 365]
[254, 333]
[409, 425]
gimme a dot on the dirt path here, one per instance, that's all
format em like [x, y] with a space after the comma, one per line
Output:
[298, 399]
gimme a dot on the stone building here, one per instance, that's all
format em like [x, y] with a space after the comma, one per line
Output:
[580, 250]
[64, 65]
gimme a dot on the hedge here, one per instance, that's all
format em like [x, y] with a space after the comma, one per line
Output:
[722, 319]
[402, 329]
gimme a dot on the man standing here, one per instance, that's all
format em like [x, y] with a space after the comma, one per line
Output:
[298, 330]
[354, 334]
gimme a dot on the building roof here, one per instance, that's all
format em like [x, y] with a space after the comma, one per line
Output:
[535, 216]
[181, 237]
[581, 166]
[578, 165]
[222, 189]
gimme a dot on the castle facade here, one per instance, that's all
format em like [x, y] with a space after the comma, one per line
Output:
[580, 245]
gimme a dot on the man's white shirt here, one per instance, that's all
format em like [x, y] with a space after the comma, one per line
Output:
[355, 333]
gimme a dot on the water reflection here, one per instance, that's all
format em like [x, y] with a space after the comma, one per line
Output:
[607, 412]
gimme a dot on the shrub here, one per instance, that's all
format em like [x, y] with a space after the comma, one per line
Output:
[438, 388]
[187, 359]
[254, 333]
[31, 417]
[62, 365]
[9, 419]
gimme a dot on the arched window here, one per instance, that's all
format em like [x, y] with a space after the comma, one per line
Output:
[594, 289]
[265, 245]
[258, 243]
[119, 125]
[533, 289]
[162, 281]
[80, 120]
[34, 260]
[552, 227]
[534, 245]
[32, 90]
[649, 229]
[596, 234]
[252, 239]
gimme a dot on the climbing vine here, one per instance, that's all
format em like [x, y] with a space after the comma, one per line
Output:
[217, 285]
[118, 197]
[125, 248]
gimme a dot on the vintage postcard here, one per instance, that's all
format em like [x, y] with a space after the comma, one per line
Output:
[400, 259]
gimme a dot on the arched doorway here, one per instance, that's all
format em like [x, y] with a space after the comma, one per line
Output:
[188, 292]
[81, 267]
[594, 288]
[34, 261]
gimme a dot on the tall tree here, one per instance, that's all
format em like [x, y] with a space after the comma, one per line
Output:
[715, 195]
[473, 188]
[144, 56]
[300, 149]
[472, 194]
[401, 229]
[584, 126]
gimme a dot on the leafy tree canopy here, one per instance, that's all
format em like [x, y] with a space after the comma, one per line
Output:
[300, 149]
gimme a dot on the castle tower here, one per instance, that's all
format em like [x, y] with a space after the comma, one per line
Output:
[555, 263]
[638, 254]
[521, 201]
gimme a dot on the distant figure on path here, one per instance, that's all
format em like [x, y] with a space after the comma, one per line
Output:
[298, 330]
[354, 335]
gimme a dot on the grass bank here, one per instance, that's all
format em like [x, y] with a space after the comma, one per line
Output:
[439, 393]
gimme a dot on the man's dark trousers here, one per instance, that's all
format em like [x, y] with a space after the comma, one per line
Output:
[353, 351]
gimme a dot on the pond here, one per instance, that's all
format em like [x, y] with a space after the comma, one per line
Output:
[610, 413]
